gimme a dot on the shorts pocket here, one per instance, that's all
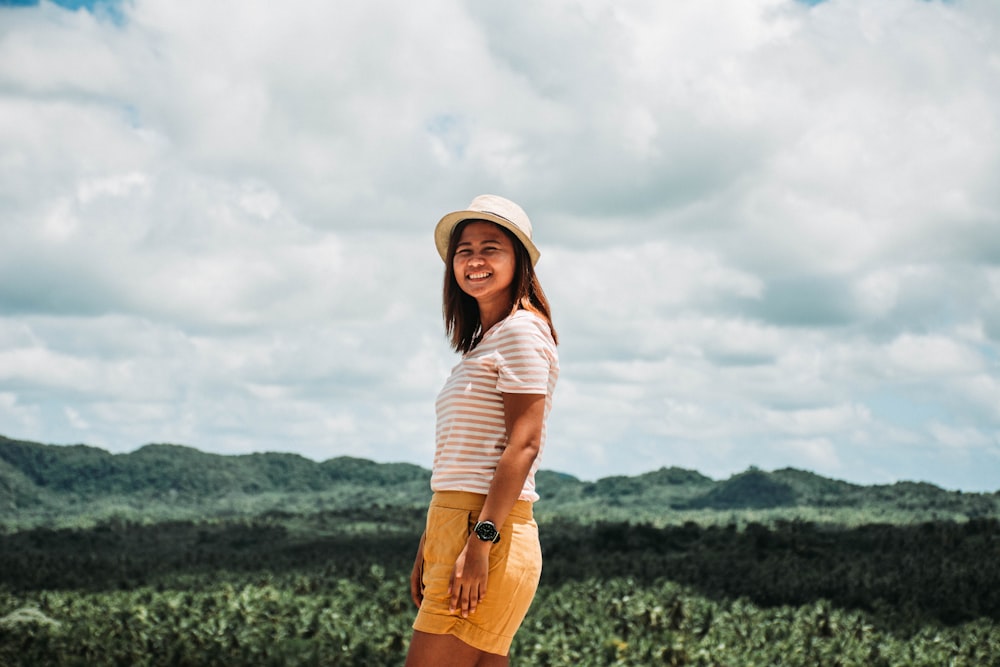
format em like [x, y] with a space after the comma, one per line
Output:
[447, 531]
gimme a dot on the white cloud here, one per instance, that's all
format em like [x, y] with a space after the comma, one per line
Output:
[933, 356]
[817, 454]
[961, 438]
[825, 420]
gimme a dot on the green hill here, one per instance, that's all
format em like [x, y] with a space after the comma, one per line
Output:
[153, 470]
[753, 488]
[44, 484]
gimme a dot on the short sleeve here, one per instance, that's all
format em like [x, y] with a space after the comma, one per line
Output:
[526, 355]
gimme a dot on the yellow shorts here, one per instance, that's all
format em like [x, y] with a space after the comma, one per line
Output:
[515, 566]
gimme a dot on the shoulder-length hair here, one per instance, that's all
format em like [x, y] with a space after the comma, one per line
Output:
[461, 311]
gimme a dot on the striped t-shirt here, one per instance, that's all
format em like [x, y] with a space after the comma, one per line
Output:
[516, 356]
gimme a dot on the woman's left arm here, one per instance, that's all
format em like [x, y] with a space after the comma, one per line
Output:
[524, 415]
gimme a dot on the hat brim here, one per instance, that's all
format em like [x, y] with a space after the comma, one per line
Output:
[445, 228]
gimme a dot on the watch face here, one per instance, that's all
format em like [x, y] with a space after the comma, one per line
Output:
[486, 531]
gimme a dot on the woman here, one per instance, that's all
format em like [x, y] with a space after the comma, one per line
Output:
[478, 562]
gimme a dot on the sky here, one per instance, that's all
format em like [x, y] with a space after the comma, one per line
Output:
[770, 229]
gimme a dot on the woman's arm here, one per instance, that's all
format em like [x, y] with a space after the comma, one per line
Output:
[524, 415]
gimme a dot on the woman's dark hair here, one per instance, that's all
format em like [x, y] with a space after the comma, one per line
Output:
[461, 311]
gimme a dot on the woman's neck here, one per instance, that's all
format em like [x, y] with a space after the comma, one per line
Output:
[492, 314]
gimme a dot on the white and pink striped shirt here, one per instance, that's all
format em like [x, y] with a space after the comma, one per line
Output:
[516, 356]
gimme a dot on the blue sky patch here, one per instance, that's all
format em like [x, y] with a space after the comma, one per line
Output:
[111, 9]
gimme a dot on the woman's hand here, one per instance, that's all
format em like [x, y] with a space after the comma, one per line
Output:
[417, 575]
[467, 586]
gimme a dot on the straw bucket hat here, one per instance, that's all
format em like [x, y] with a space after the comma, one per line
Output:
[493, 209]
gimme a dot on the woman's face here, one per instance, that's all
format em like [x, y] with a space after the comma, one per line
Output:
[484, 264]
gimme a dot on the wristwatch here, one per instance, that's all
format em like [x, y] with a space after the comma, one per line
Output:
[487, 531]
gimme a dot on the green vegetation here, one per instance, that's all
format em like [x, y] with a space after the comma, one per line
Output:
[169, 556]
[331, 588]
[75, 486]
[366, 622]
[45, 485]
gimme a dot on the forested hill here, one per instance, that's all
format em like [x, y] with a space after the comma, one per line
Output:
[156, 469]
[76, 479]
[34, 475]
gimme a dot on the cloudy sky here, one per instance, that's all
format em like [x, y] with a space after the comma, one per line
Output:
[770, 229]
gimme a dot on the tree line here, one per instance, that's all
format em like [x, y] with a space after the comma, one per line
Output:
[941, 571]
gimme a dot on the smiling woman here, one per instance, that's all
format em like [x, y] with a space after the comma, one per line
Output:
[479, 560]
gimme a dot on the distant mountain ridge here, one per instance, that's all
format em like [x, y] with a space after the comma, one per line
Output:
[29, 469]
[36, 476]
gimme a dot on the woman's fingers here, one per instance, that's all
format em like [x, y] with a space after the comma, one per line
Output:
[474, 599]
[465, 597]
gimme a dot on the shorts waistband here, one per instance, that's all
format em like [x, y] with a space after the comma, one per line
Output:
[466, 500]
